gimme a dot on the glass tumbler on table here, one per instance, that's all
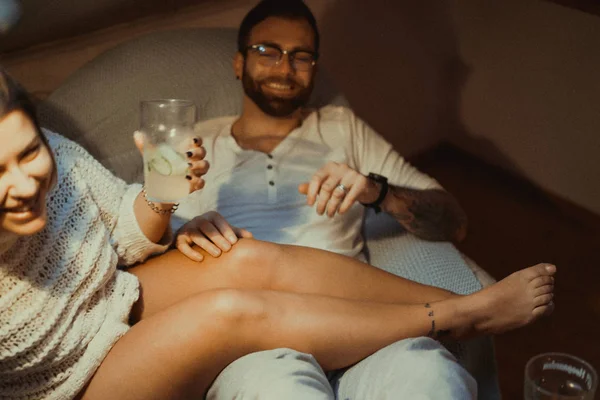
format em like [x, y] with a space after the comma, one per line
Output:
[559, 376]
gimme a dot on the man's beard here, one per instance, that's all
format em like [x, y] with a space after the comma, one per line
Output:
[274, 106]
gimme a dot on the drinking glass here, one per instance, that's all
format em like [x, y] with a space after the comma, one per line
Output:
[168, 127]
[559, 376]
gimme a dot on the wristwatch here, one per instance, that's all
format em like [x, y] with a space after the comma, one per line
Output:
[384, 190]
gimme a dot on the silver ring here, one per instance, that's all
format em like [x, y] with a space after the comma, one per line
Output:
[342, 188]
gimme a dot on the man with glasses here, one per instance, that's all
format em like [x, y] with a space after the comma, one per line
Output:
[293, 175]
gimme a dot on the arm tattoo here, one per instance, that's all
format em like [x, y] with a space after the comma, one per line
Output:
[433, 333]
[429, 214]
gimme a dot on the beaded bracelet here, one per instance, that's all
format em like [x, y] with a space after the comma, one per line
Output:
[154, 208]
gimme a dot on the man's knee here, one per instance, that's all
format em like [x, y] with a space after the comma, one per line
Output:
[270, 375]
[419, 367]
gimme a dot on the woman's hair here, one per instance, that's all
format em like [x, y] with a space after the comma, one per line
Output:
[13, 97]
[289, 9]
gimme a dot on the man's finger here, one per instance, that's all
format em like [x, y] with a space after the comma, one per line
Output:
[325, 193]
[314, 186]
[337, 196]
[355, 189]
[303, 188]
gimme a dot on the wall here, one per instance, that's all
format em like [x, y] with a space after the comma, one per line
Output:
[514, 82]
[531, 102]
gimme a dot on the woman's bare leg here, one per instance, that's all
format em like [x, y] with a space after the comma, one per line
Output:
[253, 264]
[177, 353]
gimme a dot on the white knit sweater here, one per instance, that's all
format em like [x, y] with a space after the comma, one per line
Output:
[63, 303]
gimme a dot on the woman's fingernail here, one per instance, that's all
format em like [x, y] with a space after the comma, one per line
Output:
[196, 140]
[189, 178]
[189, 164]
[189, 154]
[232, 238]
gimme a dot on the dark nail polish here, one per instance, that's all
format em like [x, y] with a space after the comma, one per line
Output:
[189, 153]
[196, 140]
[189, 164]
[189, 178]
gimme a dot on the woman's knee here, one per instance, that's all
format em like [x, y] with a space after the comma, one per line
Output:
[227, 308]
[257, 258]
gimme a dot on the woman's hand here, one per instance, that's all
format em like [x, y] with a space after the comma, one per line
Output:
[198, 166]
[211, 232]
[195, 154]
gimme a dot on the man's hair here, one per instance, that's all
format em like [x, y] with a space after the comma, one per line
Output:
[288, 9]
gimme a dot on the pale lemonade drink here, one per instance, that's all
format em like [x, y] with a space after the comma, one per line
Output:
[165, 169]
[167, 126]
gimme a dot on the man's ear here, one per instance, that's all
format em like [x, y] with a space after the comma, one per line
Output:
[238, 65]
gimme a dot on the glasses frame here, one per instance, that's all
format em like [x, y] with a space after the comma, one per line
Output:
[290, 54]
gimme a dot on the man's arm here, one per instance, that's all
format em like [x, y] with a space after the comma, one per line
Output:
[431, 214]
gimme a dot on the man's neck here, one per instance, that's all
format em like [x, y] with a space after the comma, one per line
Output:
[255, 130]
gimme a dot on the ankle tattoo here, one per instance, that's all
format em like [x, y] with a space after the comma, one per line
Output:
[433, 333]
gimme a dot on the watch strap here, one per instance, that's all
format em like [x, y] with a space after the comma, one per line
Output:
[382, 180]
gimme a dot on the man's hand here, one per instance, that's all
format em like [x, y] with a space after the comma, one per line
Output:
[211, 232]
[336, 187]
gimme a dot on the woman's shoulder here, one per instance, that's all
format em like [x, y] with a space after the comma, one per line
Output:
[63, 147]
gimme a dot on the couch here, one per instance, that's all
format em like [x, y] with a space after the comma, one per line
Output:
[98, 106]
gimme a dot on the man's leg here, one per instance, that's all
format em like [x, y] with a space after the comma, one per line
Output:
[272, 375]
[415, 369]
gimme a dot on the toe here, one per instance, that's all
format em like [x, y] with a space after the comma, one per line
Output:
[549, 269]
[542, 280]
[541, 290]
[543, 300]
[543, 310]
[542, 269]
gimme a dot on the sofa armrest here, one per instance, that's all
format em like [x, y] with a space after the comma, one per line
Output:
[390, 247]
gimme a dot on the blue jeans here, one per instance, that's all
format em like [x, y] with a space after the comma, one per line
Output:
[415, 369]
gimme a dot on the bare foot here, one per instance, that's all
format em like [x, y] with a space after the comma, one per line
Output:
[515, 301]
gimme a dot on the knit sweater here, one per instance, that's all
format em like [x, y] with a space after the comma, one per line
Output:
[63, 302]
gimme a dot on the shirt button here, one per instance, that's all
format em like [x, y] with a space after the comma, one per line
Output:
[269, 166]
[271, 183]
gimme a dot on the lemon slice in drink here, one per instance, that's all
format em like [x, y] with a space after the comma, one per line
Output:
[160, 165]
[167, 161]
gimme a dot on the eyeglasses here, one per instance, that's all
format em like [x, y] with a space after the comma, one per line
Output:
[270, 55]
